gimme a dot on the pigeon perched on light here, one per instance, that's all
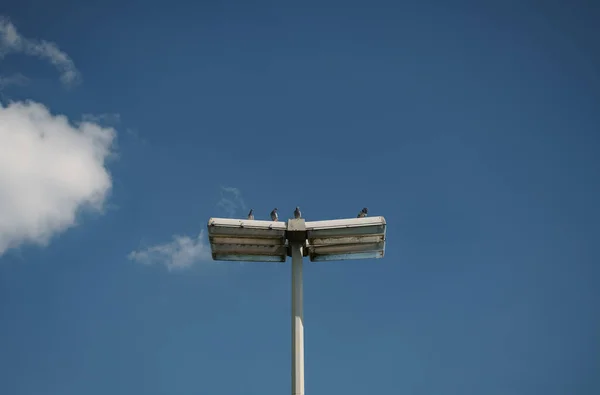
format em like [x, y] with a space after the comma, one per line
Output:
[297, 213]
[274, 216]
[251, 215]
[363, 213]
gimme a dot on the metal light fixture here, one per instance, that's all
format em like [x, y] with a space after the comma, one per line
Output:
[267, 241]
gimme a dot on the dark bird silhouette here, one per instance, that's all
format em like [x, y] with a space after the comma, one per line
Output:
[274, 216]
[363, 213]
[251, 214]
[297, 213]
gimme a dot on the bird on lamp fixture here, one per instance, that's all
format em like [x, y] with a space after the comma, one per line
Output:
[274, 216]
[297, 213]
[251, 215]
[363, 213]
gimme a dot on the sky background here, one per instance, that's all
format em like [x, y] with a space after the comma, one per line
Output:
[473, 127]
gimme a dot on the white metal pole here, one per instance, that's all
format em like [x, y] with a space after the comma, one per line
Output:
[297, 322]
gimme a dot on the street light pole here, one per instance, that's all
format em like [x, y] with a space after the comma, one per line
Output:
[273, 241]
[297, 321]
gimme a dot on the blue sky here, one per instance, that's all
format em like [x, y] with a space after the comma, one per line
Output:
[473, 127]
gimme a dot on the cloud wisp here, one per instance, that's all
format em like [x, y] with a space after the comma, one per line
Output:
[50, 169]
[181, 253]
[103, 119]
[231, 201]
[11, 41]
[15, 79]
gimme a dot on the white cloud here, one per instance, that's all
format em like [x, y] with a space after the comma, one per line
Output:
[231, 201]
[11, 41]
[181, 253]
[49, 170]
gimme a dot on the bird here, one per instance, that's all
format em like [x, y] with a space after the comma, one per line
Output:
[274, 216]
[297, 213]
[251, 215]
[363, 213]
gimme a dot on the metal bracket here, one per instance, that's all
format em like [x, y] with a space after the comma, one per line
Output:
[296, 233]
[296, 230]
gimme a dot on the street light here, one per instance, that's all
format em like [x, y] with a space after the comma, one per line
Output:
[267, 241]
[241, 240]
[342, 239]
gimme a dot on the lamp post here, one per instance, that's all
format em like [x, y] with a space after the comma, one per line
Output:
[267, 241]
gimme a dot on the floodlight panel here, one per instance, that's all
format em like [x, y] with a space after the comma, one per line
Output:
[345, 257]
[246, 228]
[246, 240]
[249, 258]
[247, 249]
[346, 227]
[346, 248]
[325, 241]
[344, 239]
